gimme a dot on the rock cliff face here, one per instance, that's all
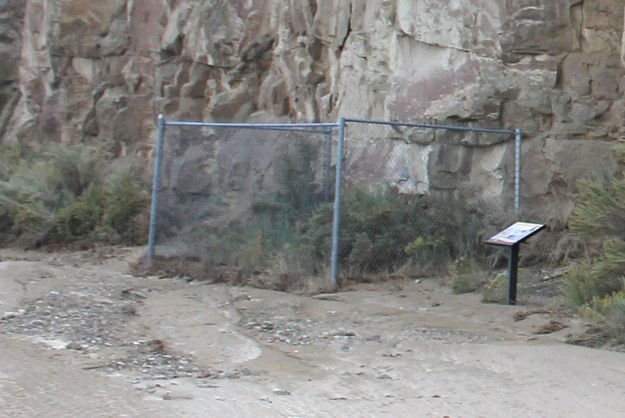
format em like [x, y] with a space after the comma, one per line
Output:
[100, 72]
[11, 18]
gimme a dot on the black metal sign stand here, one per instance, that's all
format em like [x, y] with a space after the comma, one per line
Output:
[512, 274]
[512, 237]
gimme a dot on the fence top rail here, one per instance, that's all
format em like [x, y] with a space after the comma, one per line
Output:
[327, 127]
[433, 126]
[254, 125]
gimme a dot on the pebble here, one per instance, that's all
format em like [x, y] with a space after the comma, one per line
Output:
[281, 392]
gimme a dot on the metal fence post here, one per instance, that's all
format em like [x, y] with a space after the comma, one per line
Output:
[155, 186]
[337, 205]
[517, 170]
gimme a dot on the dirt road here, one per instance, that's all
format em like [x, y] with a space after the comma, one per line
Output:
[80, 336]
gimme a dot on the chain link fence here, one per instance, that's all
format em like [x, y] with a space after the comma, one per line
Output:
[236, 195]
[276, 197]
[417, 196]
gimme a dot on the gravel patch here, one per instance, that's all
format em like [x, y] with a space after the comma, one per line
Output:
[87, 324]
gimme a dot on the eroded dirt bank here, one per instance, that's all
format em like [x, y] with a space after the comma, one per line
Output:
[81, 336]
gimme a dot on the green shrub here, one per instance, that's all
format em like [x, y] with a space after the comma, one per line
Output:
[467, 283]
[10, 158]
[384, 230]
[595, 287]
[579, 285]
[586, 282]
[25, 221]
[608, 315]
[59, 195]
[81, 217]
[29, 198]
[127, 209]
[600, 211]
[612, 310]
[599, 217]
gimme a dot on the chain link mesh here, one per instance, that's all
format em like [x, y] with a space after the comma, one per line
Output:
[260, 198]
[237, 196]
[417, 197]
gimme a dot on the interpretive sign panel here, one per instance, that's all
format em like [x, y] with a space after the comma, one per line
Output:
[512, 237]
[515, 234]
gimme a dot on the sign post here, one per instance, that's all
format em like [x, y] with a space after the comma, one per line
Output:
[512, 237]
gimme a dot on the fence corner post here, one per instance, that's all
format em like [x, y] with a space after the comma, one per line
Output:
[155, 186]
[337, 206]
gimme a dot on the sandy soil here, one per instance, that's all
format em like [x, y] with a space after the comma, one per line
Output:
[81, 336]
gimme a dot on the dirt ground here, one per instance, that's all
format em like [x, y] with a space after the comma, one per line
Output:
[81, 336]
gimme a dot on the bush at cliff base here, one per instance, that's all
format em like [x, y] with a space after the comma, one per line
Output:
[60, 195]
[595, 286]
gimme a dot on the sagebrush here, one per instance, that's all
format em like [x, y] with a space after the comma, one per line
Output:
[595, 286]
[57, 194]
[384, 230]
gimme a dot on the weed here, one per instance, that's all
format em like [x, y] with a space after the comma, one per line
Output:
[496, 290]
[252, 254]
[529, 289]
[467, 275]
[612, 309]
[608, 315]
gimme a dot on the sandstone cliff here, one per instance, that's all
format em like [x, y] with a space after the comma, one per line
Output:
[100, 72]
